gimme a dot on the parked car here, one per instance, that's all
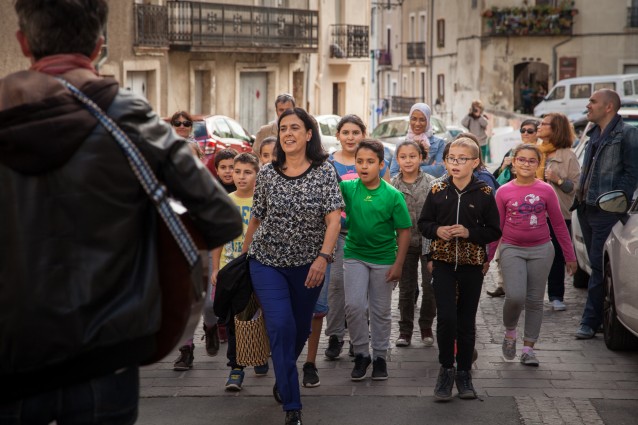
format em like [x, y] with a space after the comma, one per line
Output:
[620, 268]
[328, 129]
[455, 130]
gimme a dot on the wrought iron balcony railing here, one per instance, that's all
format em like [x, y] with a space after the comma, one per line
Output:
[416, 51]
[632, 17]
[402, 104]
[349, 41]
[151, 25]
[385, 58]
[198, 24]
[529, 21]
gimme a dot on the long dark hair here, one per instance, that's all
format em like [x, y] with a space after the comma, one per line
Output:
[314, 151]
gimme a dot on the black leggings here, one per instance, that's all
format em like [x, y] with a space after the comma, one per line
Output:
[456, 317]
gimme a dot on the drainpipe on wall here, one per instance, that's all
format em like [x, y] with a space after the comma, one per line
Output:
[555, 59]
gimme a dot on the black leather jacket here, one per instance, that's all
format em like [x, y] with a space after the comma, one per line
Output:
[78, 270]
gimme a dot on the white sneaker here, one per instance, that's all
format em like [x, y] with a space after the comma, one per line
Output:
[558, 305]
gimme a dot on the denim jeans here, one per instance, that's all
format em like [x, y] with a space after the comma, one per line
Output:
[556, 278]
[107, 400]
[596, 226]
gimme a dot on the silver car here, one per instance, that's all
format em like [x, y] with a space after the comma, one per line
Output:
[620, 260]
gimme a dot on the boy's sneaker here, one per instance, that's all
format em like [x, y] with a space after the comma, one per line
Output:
[185, 359]
[222, 333]
[558, 305]
[463, 380]
[529, 358]
[310, 375]
[334, 347]
[212, 340]
[444, 384]
[509, 348]
[404, 340]
[379, 369]
[427, 338]
[262, 370]
[235, 379]
[361, 364]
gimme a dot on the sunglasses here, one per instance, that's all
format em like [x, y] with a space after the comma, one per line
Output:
[527, 130]
[182, 123]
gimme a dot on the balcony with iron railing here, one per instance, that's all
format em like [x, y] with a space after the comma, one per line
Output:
[348, 41]
[385, 58]
[632, 17]
[198, 26]
[402, 104]
[529, 21]
[416, 51]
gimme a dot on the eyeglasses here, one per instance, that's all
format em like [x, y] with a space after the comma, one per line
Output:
[182, 123]
[528, 161]
[527, 130]
[460, 161]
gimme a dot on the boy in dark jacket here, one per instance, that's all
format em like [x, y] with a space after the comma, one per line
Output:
[460, 217]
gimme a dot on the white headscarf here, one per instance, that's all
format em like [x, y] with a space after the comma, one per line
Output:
[425, 136]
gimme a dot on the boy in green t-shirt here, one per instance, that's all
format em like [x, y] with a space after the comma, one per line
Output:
[245, 169]
[378, 220]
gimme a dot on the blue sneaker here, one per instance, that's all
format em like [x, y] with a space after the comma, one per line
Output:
[585, 332]
[262, 370]
[235, 379]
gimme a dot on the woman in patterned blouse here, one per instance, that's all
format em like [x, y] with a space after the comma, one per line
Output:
[292, 234]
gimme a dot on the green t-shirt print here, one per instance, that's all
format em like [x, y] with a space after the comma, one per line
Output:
[372, 217]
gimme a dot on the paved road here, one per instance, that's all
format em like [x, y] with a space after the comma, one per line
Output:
[578, 382]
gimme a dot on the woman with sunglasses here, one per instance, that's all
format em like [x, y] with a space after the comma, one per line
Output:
[524, 206]
[528, 131]
[182, 123]
[560, 168]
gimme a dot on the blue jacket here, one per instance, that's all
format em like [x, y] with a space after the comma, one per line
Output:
[437, 146]
[614, 166]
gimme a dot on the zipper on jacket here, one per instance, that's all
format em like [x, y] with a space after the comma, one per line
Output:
[458, 208]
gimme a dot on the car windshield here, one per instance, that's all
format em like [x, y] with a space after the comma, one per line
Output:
[394, 128]
[199, 130]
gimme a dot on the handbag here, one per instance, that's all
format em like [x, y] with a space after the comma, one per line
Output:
[183, 277]
[252, 344]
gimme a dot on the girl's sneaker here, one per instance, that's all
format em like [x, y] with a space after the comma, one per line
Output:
[529, 358]
[509, 348]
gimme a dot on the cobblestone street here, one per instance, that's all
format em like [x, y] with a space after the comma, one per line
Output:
[577, 381]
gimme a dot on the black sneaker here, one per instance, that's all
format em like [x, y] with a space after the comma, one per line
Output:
[444, 384]
[361, 364]
[310, 375]
[463, 380]
[185, 359]
[293, 417]
[334, 347]
[212, 340]
[379, 369]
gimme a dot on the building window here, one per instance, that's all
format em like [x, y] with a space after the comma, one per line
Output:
[474, 4]
[440, 87]
[632, 15]
[440, 32]
[551, 3]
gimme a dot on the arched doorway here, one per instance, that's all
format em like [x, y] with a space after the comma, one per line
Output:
[530, 85]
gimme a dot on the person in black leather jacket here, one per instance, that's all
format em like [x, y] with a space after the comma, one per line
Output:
[79, 294]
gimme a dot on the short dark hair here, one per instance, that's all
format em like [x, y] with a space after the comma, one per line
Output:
[268, 140]
[418, 146]
[248, 158]
[61, 26]
[285, 97]
[181, 114]
[223, 154]
[610, 96]
[534, 123]
[352, 119]
[373, 145]
[314, 150]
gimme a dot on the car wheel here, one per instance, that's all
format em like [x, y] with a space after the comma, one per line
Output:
[581, 278]
[617, 337]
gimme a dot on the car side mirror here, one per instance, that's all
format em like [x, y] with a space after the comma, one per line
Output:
[613, 202]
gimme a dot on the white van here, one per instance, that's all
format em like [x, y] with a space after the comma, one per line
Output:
[571, 95]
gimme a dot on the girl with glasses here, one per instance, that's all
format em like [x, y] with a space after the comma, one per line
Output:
[524, 206]
[560, 168]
